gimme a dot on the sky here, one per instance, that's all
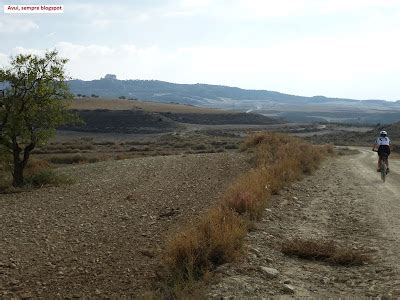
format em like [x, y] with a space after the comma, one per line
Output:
[335, 48]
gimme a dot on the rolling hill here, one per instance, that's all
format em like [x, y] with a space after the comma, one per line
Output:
[207, 95]
[269, 103]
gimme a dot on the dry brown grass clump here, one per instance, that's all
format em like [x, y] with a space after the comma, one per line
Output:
[273, 139]
[249, 194]
[311, 249]
[36, 166]
[349, 257]
[76, 159]
[39, 173]
[279, 160]
[324, 250]
[216, 239]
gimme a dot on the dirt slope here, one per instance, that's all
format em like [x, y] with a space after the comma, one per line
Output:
[344, 201]
[98, 236]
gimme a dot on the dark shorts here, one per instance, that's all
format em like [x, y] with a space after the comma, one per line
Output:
[384, 150]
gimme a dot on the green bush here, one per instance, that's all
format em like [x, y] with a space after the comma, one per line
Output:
[199, 147]
[232, 146]
[47, 177]
[67, 159]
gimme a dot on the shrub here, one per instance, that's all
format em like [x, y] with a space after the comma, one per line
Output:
[199, 147]
[36, 166]
[231, 146]
[68, 159]
[266, 138]
[183, 145]
[348, 257]
[216, 239]
[248, 194]
[84, 147]
[76, 159]
[311, 249]
[323, 250]
[105, 143]
[5, 181]
[47, 177]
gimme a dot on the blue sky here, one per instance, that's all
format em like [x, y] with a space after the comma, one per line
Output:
[338, 48]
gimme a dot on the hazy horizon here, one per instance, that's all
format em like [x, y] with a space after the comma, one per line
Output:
[216, 84]
[339, 49]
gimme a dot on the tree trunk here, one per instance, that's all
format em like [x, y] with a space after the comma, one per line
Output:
[20, 164]
[18, 172]
[18, 175]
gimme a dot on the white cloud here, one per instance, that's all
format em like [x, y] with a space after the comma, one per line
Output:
[22, 50]
[88, 10]
[105, 14]
[355, 64]
[3, 59]
[187, 8]
[13, 24]
[125, 60]
[74, 51]
[335, 6]
[262, 9]
[196, 3]
[101, 23]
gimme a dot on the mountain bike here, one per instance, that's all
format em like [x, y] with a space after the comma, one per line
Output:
[383, 166]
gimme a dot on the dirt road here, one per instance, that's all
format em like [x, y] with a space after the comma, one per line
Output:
[344, 201]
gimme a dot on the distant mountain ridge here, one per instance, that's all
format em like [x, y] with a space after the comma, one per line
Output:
[271, 104]
[206, 94]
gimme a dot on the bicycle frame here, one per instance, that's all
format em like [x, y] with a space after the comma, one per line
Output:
[383, 166]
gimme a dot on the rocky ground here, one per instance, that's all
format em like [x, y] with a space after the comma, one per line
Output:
[99, 236]
[344, 201]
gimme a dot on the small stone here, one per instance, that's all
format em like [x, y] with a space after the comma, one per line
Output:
[255, 251]
[295, 198]
[269, 272]
[12, 266]
[97, 292]
[26, 296]
[287, 281]
[14, 282]
[269, 259]
[147, 253]
[325, 280]
[371, 288]
[225, 269]
[288, 289]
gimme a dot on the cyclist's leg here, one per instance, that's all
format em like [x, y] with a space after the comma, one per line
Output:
[386, 155]
[379, 163]
[387, 162]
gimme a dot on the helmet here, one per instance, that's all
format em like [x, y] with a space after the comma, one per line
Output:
[383, 133]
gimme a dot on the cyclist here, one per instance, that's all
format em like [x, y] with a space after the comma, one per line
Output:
[383, 144]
